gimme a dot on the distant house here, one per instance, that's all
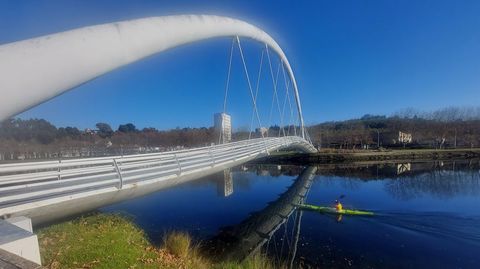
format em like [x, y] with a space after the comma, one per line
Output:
[108, 144]
[262, 131]
[404, 138]
[89, 131]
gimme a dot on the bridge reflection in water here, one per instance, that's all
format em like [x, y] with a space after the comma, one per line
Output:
[248, 237]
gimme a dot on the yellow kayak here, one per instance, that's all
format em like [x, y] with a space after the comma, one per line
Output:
[331, 210]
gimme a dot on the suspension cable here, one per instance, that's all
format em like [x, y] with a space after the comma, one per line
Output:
[249, 85]
[275, 94]
[292, 120]
[227, 84]
[283, 108]
[271, 107]
[285, 101]
[282, 119]
[287, 85]
[297, 123]
[256, 93]
[228, 77]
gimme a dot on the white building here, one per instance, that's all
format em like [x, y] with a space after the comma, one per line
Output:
[222, 124]
[404, 138]
[262, 131]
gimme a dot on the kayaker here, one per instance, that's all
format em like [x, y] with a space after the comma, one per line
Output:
[338, 206]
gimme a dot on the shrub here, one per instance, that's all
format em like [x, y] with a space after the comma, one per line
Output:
[178, 244]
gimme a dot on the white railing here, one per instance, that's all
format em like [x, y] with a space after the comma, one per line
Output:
[25, 182]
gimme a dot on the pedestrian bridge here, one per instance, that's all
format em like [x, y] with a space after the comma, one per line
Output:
[41, 190]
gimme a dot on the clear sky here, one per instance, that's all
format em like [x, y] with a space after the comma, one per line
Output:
[350, 58]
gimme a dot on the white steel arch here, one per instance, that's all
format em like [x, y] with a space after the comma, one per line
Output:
[35, 70]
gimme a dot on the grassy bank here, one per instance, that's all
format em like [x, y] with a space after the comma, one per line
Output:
[112, 241]
[335, 156]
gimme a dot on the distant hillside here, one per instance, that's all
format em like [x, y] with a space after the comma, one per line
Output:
[370, 130]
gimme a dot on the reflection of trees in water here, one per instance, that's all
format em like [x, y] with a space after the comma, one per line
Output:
[350, 184]
[369, 171]
[442, 179]
[438, 183]
[271, 170]
[244, 175]
[243, 181]
[344, 182]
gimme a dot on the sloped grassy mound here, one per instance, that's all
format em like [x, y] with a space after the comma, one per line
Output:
[112, 241]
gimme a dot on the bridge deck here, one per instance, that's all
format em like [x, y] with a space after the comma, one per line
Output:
[38, 189]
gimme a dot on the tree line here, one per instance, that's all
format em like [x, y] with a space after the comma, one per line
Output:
[446, 128]
[38, 138]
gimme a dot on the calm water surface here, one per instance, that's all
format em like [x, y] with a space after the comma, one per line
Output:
[428, 214]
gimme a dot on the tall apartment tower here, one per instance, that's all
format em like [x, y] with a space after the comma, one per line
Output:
[222, 124]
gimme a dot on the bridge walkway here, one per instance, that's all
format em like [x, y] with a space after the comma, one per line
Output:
[27, 186]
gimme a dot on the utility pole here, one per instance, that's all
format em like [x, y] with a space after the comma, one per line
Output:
[378, 138]
[455, 141]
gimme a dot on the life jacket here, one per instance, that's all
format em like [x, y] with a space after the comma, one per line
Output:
[338, 207]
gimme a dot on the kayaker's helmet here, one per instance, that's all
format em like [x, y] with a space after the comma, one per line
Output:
[336, 202]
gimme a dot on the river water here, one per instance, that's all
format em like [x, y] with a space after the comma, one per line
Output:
[427, 214]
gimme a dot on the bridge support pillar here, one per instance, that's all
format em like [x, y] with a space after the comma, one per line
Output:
[17, 237]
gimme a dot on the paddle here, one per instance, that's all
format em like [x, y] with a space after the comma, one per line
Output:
[340, 197]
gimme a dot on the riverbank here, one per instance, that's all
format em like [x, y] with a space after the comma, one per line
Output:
[112, 241]
[338, 156]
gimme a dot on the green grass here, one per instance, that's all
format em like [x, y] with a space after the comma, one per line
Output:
[112, 241]
[98, 241]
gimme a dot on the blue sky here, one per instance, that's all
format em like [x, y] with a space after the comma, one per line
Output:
[350, 58]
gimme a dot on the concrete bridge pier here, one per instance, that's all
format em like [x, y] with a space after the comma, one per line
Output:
[18, 244]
